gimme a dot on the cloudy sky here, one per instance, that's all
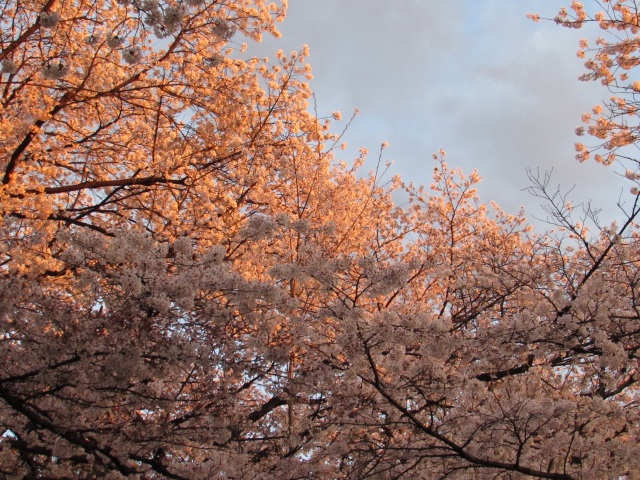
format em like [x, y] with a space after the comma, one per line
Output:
[495, 90]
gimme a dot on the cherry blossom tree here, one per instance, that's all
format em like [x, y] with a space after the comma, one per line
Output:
[611, 59]
[193, 286]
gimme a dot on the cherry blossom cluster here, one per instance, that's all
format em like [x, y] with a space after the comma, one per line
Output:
[163, 18]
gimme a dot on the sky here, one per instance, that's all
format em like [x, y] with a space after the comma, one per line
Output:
[497, 91]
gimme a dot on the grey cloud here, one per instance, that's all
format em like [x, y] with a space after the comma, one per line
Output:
[494, 89]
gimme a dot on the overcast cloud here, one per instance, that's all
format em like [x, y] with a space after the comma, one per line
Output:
[497, 91]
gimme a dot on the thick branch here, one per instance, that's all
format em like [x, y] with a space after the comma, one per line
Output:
[513, 467]
[33, 373]
[268, 407]
[491, 376]
[147, 181]
[88, 445]
[26, 34]
[459, 450]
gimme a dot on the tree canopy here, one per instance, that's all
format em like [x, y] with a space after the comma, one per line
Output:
[194, 286]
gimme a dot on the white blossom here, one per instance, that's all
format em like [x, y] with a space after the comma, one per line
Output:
[215, 60]
[223, 29]
[183, 247]
[153, 17]
[115, 40]
[93, 38]
[55, 70]
[215, 255]
[49, 19]
[302, 225]
[9, 66]
[132, 55]
[283, 219]
[173, 18]
[258, 226]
